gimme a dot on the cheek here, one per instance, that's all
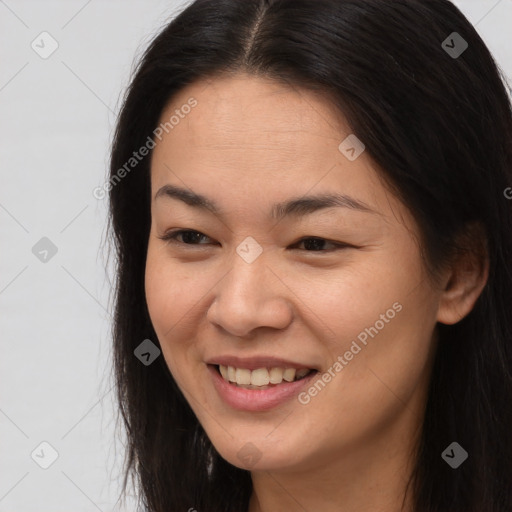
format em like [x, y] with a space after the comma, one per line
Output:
[170, 293]
[349, 302]
[380, 319]
[170, 297]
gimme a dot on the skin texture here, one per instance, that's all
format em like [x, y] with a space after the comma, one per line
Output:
[249, 143]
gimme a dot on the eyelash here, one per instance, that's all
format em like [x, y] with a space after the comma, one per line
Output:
[171, 237]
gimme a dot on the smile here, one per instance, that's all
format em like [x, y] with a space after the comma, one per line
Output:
[287, 384]
[261, 378]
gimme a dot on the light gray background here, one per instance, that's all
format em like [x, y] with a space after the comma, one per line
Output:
[57, 118]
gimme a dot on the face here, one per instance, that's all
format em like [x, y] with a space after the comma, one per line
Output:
[295, 259]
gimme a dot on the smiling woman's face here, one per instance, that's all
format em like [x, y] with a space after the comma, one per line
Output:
[251, 289]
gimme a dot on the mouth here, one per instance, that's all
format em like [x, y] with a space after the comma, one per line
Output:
[261, 378]
[258, 383]
[261, 389]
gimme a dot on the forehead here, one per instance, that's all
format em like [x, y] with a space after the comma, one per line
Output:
[235, 114]
[261, 138]
[252, 125]
[249, 99]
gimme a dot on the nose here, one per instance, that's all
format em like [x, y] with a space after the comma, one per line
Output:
[250, 296]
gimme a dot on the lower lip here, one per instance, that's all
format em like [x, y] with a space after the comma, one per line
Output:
[256, 399]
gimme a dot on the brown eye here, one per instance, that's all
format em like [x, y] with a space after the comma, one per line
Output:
[190, 237]
[314, 244]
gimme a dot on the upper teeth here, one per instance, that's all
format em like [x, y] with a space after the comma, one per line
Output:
[261, 376]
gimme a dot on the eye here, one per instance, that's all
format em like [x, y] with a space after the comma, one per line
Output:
[316, 244]
[191, 237]
[188, 234]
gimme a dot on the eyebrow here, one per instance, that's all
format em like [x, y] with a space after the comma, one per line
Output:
[295, 207]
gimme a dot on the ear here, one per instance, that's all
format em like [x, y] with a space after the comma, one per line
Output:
[466, 276]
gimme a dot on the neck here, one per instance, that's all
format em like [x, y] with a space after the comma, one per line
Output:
[372, 476]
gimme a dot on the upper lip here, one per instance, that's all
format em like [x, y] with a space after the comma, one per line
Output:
[253, 363]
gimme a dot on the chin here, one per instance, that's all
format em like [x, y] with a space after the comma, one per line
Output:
[255, 453]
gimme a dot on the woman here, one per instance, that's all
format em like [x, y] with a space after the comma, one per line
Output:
[308, 201]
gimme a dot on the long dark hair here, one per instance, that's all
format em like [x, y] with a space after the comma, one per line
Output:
[437, 124]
